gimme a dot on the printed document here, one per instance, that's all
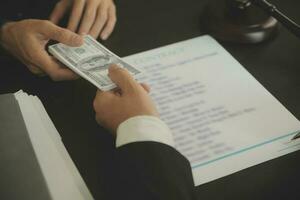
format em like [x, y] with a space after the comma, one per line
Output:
[223, 120]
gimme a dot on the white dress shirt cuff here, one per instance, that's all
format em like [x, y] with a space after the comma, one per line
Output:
[144, 128]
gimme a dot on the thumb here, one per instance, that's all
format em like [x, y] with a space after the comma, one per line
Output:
[63, 35]
[123, 79]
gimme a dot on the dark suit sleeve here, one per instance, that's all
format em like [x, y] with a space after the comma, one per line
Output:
[150, 170]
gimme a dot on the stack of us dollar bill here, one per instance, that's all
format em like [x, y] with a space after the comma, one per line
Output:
[91, 61]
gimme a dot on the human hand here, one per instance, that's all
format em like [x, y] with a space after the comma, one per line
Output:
[114, 107]
[93, 17]
[26, 40]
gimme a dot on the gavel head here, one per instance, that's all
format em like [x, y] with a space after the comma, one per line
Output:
[239, 4]
[238, 21]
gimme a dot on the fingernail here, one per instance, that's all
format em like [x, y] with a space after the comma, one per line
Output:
[114, 66]
[104, 37]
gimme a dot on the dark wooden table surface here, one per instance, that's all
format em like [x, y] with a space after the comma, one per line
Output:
[143, 25]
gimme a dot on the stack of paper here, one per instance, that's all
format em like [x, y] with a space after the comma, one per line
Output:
[59, 172]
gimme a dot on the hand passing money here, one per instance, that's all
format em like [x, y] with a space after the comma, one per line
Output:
[91, 61]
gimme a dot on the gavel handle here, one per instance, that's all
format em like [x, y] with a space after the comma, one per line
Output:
[282, 18]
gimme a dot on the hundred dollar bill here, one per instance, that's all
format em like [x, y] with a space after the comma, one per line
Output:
[91, 61]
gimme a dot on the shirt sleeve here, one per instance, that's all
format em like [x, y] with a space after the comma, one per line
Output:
[142, 129]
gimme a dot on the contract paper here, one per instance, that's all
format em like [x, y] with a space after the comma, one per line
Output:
[223, 120]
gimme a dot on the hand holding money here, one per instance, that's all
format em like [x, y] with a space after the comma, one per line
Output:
[26, 40]
[91, 61]
[114, 107]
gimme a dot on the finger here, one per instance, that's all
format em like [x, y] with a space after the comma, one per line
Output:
[76, 15]
[102, 98]
[110, 25]
[59, 11]
[101, 95]
[35, 69]
[59, 73]
[117, 91]
[62, 35]
[52, 68]
[72, 74]
[123, 80]
[101, 19]
[89, 17]
[146, 87]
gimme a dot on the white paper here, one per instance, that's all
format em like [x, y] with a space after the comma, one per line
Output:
[223, 120]
[52, 132]
[61, 176]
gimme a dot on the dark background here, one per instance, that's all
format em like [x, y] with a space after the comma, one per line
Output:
[147, 24]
